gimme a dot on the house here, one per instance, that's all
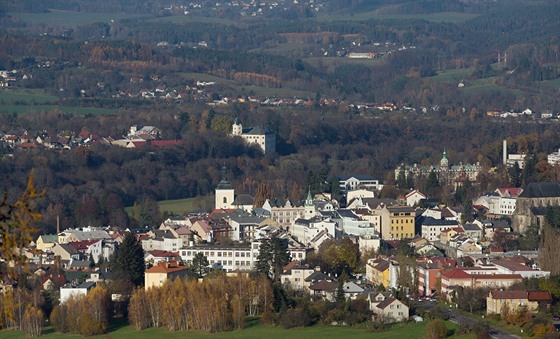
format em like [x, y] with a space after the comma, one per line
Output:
[352, 290]
[532, 300]
[294, 275]
[477, 277]
[473, 231]
[46, 241]
[429, 278]
[65, 251]
[284, 213]
[324, 289]
[156, 256]
[390, 310]
[413, 198]
[377, 272]
[69, 290]
[431, 228]
[508, 266]
[157, 275]
[306, 230]
[202, 231]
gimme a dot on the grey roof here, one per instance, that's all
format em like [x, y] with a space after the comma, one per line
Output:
[243, 199]
[257, 130]
[374, 202]
[346, 213]
[429, 221]
[471, 227]
[541, 190]
[253, 220]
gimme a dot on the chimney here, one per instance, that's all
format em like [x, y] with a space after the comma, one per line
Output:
[317, 268]
[504, 155]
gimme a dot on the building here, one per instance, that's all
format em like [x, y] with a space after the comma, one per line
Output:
[554, 158]
[389, 310]
[498, 299]
[224, 193]
[536, 195]
[447, 174]
[260, 136]
[354, 182]
[500, 203]
[294, 275]
[157, 275]
[377, 271]
[431, 228]
[477, 277]
[285, 214]
[230, 258]
[69, 290]
[397, 222]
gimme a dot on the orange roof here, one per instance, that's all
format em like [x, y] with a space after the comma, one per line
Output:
[167, 267]
[456, 273]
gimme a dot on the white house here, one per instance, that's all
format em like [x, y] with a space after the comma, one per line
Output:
[68, 290]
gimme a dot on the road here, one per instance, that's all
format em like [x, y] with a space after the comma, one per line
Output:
[459, 319]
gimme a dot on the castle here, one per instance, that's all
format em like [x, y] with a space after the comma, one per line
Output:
[259, 135]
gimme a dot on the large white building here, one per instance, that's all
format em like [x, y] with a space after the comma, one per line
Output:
[500, 202]
[259, 135]
[353, 182]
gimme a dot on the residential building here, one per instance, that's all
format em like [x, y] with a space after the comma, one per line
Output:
[353, 182]
[397, 222]
[498, 299]
[157, 275]
[429, 278]
[351, 224]
[554, 158]
[414, 197]
[431, 228]
[230, 258]
[390, 310]
[377, 271]
[477, 277]
[294, 275]
[285, 214]
[69, 290]
[307, 229]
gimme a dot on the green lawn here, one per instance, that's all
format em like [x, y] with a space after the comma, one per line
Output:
[413, 330]
[72, 18]
[452, 75]
[27, 96]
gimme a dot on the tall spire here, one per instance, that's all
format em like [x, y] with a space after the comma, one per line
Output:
[224, 183]
[309, 200]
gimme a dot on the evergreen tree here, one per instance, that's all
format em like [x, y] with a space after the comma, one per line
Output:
[335, 186]
[273, 256]
[410, 180]
[515, 175]
[432, 184]
[128, 264]
[200, 264]
[529, 172]
[401, 178]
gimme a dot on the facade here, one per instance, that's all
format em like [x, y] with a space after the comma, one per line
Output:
[397, 222]
[446, 174]
[284, 214]
[390, 310]
[477, 277]
[81, 290]
[431, 228]
[429, 278]
[230, 258]
[353, 182]
[498, 299]
[294, 275]
[535, 196]
[224, 193]
[157, 275]
[260, 136]
[377, 271]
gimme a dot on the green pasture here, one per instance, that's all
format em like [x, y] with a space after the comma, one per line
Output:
[18, 109]
[26, 96]
[72, 18]
[452, 75]
[412, 330]
[182, 206]
[187, 19]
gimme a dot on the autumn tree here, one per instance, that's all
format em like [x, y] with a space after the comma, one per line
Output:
[32, 322]
[262, 193]
[128, 264]
[16, 223]
[273, 256]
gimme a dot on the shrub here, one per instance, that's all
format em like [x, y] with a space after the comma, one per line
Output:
[436, 329]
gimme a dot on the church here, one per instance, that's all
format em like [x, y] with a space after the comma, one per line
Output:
[225, 197]
[259, 135]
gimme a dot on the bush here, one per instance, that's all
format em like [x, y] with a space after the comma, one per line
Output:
[436, 329]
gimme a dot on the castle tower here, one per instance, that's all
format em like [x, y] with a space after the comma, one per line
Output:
[225, 194]
[237, 128]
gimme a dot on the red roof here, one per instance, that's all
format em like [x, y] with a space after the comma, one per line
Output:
[540, 296]
[83, 245]
[456, 273]
[165, 143]
[164, 254]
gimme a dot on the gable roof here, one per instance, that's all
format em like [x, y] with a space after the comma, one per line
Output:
[388, 301]
[541, 190]
[167, 267]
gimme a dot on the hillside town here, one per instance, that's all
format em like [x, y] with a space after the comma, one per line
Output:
[447, 251]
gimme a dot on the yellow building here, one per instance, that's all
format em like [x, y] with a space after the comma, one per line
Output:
[397, 222]
[377, 271]
[156, 275]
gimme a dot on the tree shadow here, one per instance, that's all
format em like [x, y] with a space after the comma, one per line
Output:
[116, 324]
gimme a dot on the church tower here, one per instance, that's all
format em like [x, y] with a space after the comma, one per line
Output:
[309, 207]
[225, 194]
[444, 163]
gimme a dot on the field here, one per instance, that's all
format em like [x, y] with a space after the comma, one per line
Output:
[236, 88]
[453, 17]
[29, 100]
[415, 330]
[181, 206]
[71, 18]
[452, 75]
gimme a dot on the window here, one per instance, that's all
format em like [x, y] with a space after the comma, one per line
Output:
[225, 200]
[219, 254]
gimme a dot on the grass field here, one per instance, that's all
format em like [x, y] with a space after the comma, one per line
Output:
[71, 18]
[413, 330]
[186, 19]
[70, 110]
[182, 206]
[452, 75]
[27, 96]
